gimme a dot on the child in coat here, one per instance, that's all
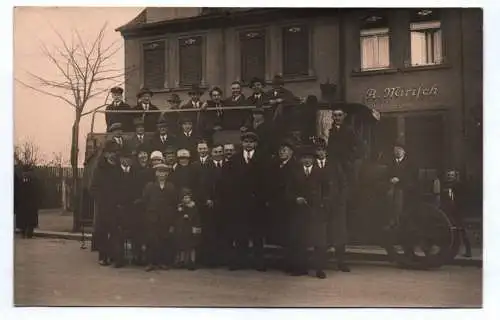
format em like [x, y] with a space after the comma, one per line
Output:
[187, 230]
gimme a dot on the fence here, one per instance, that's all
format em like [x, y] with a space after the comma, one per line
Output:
[56, 186]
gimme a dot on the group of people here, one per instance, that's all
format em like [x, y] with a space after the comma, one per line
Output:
[183, 201]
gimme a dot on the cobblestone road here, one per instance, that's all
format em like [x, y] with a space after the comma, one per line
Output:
[58, 273]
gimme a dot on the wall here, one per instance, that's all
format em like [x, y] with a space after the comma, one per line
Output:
[222, 59]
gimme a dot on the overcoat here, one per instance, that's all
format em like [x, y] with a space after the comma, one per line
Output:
[182, 177]
[187, 219]
[241, 100]
[308, 221]
[135, 142]
[159, 207]
[28, 198]
[189, 142]
[407, 174]
[342, 147]
[126, 119]
[158, 145]
[150, 118]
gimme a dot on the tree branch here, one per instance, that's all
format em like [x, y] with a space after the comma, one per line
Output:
[47, 93]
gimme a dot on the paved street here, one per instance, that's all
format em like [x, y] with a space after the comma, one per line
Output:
[57, 272]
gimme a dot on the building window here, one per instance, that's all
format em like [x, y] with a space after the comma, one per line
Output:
[374, 43]
[253, 55]
[154, 64]
[426, 38]
[426, 43]
[190, 60]
[295, 51]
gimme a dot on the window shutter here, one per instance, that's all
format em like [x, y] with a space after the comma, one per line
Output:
[253, 55]
[190, 60]
[154, 64]
[295, 51]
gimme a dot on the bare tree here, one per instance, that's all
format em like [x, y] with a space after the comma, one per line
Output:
[86, 70]
[27, 154]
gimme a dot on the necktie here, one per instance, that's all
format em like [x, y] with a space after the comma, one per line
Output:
[140, 138]
[219, 165]
[119, 141]
[308, 171]
[163, 139]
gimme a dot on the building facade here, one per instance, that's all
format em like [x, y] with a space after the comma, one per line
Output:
[422, 69]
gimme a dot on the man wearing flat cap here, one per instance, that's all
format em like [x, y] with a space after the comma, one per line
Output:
[118, 104]
[258, 97]
[194, 101]
[308, 192]
[247, 170]
[116, 132]
[144, 104]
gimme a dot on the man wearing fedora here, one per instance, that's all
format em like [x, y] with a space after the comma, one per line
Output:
[139, 139]
[237, 98]
[188, 136]
[279, 94]
[307, 192]
[173, 103]
[144, 104]
[246, 216]
[258, 97]
[264, 130]
[162, 138]
[194, 101]
[116, 105]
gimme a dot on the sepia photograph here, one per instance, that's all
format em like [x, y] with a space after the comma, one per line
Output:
[247, 157]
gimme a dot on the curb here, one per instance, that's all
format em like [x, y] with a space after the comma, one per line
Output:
[353, 253]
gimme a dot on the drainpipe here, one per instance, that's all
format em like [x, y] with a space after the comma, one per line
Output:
[342, 54]
[463, 104]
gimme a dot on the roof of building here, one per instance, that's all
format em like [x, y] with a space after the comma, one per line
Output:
[214, 19]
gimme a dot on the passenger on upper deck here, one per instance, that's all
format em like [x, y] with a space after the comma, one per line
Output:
[258, 97]
[279, 94]
[144, 104]
[194, 101]
[237, 97]
[215, 102]
[118, 104]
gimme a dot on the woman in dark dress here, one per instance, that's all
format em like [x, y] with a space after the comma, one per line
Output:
[187, 231]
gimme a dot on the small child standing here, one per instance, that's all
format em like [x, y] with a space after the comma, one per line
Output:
[187, 230]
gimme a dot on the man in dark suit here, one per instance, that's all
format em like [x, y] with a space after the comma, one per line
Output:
[102, 190]
[229, 151]
[116, 105]
[246, 217]
[117, 135]
[264, 130]
[281, 171]
[29, 196]
[336, 206]
[342, 148]
[258, 97]
[162, 138]
[216, 120]
[279, 94]
[307, 191]
[150, 119]
[237, 97]
[194, 101]
[188, 136]
[183, 174]
[139, 139]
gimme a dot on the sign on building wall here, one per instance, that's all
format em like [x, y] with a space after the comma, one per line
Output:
[399, 96]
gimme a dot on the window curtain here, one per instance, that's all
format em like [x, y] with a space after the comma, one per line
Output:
[438, 47]
[418, 48]
[374, 50]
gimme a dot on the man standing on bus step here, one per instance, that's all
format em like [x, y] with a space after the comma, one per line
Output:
[342, 149]
[139, 139]
[117, 135]
[103, 191]
[162, 137]
[118, 104]
[144, 104]
[237, 98]
[258, 97]
[188, 136]
[248, 172]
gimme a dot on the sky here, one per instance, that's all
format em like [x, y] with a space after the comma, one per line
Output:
[46, 121]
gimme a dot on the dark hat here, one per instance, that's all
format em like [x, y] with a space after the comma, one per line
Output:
[111, 146]
[307, 150]
[320, 143]
[277, 79]
[339, 106]
[219, 90]
[195, 89]
[161, 122]
[249, 135]
[174, 97]
[399, 143]
[115, 126]
[138, 122]
[141, 148]
[258, 111]
[171, 149]
[186, 192]
[117, 90]
[255, 79]
[287, 143]
[185, 119]
[144, 91]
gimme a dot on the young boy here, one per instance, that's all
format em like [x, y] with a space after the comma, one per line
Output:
[159, 199]
[187, 231]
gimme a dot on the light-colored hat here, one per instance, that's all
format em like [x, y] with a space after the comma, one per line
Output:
[183, 153]
[156, 155]
[161, 167]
